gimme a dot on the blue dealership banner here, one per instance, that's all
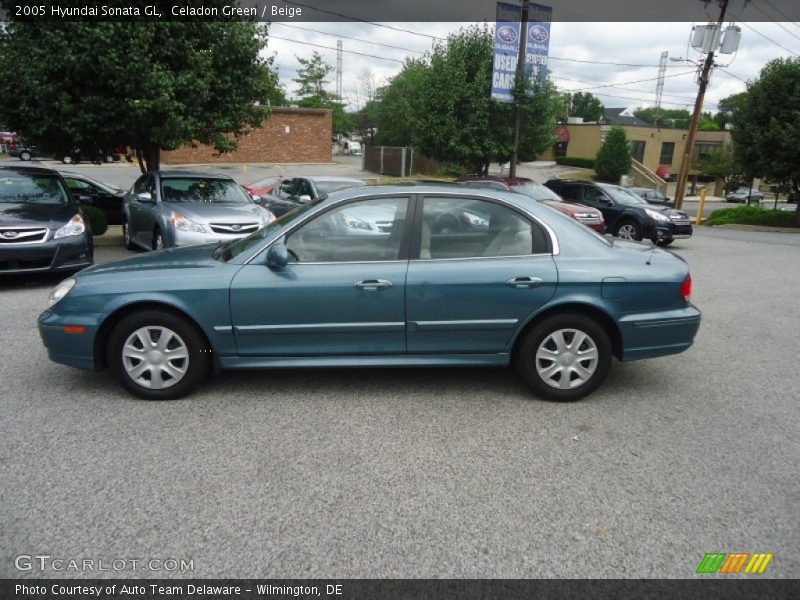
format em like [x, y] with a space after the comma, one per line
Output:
[538, 43]
[506, 46]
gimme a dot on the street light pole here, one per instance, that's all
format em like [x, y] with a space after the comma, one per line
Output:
[518, 87]
[686, 160]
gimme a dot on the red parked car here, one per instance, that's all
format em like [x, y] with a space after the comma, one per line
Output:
[263, 187]
[591, 217]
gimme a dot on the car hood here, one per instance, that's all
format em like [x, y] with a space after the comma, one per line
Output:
[572, 208]
[670, 212]
[188, 257]
[218, 211]
[36, 215]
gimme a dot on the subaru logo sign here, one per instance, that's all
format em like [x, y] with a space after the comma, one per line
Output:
[507, 34]
[9, 235]
[539, 33]
[236, 227]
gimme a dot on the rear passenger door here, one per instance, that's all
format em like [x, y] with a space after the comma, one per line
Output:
[469, 289]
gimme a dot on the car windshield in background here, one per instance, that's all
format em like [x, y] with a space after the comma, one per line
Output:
[243, 245]
[536, 191]
[16, 188]
[326, 186]
[623, 196]
[195, 189]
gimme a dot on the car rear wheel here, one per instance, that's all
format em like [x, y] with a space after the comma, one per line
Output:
[565, 357]
[25, 155]
[664, 243]
[629, 230]
[157, 355]
[67, 160]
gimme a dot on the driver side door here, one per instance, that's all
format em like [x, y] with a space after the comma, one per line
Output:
[342, 293]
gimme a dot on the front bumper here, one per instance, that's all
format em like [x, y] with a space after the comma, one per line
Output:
[72, 349]
[65, 254]
[674, 231]
[191, 238]
[649, 335]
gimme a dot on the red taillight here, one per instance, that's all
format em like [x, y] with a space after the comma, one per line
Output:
[686, 288]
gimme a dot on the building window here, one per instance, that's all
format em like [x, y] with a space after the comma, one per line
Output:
[704, 149]
[667, 151]
[637, 151]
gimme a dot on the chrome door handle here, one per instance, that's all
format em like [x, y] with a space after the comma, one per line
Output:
[525, 282]
[372, 285]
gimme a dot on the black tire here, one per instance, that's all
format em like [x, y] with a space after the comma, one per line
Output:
[525, 359]
[664, 243]
[25, 155]
[199, 357]
[633, 226]
[126, 236]
[157, 236]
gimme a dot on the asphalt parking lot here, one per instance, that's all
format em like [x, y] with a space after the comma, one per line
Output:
[423, 473]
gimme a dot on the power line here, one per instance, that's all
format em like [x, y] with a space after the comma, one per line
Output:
[616, 64]
[769, 39]
[630, 82]
[777, 10]
[620, 87]
[729, 74]
[648, 100]
[763, 12]
[348, 18]
[347, 37]
[334, 48]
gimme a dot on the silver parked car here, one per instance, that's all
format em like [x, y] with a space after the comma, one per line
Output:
[177, 208]
[743, 194]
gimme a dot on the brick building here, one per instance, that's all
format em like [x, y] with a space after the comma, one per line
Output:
[289, 135]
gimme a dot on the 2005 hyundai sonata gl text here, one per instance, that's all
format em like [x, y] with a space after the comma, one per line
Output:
[366, 278]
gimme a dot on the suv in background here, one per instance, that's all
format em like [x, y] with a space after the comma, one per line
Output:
[627, 215]
[591, 217]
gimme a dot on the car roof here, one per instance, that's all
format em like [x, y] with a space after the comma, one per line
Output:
[328, 178]
[175, 173]
[30, 170]
[498, 178]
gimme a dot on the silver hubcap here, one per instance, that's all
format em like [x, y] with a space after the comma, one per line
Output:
[627, 232]
[159, 242]
[125, 233]
[155, 357]
[566, 359]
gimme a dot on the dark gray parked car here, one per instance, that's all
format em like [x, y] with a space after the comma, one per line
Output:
[743, 194]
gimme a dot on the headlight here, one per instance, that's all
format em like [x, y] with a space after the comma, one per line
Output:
[654, 214]
[354, 223]
[181, 223]
[75, 226]
[475, 220]
[61, 290]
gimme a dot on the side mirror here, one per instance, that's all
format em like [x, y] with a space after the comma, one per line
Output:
[255, 198]
[277, 255]
[145, 197]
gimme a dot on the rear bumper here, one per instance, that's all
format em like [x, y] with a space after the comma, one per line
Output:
[649, 335]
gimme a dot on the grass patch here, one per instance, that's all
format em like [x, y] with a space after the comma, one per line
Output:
[751, 215]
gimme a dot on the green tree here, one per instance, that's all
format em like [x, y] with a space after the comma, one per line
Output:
[396, 105]
[311, 78]
[585, 105]
[614, 157]
[169, 84]
[719, 164]
[454, 118]
[726, 107]
[766, 125]
[669, 118]
[708, 122]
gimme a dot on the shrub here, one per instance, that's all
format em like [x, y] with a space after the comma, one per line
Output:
[751, 215]
[575, 161]
[97, 219]
[614, 157]
[449, 171]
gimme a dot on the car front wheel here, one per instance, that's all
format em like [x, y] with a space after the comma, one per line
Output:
[629, 230]
[157, 355]
[565, 357]
[126, 235]
[25, 155]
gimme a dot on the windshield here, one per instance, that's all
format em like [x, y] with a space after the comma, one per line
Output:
[326, 186]
[536, 191]
[24, 188]
[623, 196]
[236, 248]
[201, 189]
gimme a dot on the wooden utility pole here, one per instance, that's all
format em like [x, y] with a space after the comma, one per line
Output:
[686, 161]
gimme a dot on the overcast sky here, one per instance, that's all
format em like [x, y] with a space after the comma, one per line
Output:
[631, 43]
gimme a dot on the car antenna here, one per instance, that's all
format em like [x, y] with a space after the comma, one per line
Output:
[650, 256]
